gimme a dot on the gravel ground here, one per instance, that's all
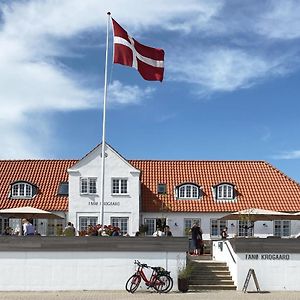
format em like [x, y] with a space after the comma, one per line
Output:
[120, 295]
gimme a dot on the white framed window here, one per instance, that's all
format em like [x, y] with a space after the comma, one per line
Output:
[54, 228]
[121, 222]
[85, 222]
[225, 191]
[187, 191]
[188, 223]
[216, 226]
[282, 228]
[246, 228]
[88, 185]
[151, 225]
[21, 190]
[119, 186]
[154, 224]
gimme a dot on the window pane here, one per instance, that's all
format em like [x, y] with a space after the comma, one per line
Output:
[246, 228]
[230, 193]
[115, 187]
[151, 226]
[187, 226]
[220, 191]
[84, 222]
[225, 187]
[214, 228]
[181, 192]
[188, 191]
[28, 190]
[124, 186]
[195, 192]
[21, 189]
[122, 223]
[286, 228]
[84, 185]
[92, 187]
[15, 190]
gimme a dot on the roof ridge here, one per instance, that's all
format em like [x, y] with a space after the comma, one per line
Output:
[195, 160]
[283, 174]
[23, 160]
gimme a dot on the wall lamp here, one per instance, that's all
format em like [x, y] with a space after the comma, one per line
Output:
[265, 225]
[175, 224]
[232, 225]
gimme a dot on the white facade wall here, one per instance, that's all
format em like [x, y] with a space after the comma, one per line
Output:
[54, 270]
[114, 205]
[262, 229]
[272, 274]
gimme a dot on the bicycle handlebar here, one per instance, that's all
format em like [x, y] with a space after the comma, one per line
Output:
[137, 262]
[156, 269]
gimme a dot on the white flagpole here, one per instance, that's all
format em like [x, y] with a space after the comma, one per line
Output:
[103, 126]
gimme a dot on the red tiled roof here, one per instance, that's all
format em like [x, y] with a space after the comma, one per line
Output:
[258, 185]
[45, 174]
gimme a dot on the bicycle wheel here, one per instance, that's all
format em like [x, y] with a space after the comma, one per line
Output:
[163, 283]
[133, 283]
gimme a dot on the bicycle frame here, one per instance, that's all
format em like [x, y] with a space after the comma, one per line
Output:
[149, 282]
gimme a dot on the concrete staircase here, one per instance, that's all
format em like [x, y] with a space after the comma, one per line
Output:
[209, 275]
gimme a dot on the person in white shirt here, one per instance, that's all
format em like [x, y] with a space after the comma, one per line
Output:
[158, 232]
[28, 228]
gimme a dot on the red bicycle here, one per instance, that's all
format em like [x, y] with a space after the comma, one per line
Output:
[160, 279]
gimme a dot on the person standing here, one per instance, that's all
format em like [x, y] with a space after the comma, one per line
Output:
[28, 228]
[168, 231]
[196, 238]
[69, 230]
[224, 233]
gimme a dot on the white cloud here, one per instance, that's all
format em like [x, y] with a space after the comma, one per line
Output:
[294, 154]
[222, 69]
[122, 94]
[34, 34]
[281, 21]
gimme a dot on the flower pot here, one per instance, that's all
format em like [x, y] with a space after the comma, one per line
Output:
[183, 285]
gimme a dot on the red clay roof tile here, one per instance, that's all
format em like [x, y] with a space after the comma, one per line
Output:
[45, 174]
[257, 183]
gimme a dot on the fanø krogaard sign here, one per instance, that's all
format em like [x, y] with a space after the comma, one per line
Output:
[106, 203]
[267, 256]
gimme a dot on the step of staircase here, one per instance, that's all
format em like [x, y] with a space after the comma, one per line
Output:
[209, 275]
[200, 287]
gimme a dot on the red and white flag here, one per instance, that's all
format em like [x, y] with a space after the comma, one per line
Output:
[129, 52]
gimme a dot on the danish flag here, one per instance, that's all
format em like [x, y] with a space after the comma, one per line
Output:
[129, 52]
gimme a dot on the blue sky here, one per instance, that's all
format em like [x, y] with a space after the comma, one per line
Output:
[231, 88]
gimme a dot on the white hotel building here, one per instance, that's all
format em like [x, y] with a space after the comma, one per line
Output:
[151, 192]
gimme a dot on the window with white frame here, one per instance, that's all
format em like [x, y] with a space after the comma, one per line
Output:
[88, 185]
[188, 223]
[55, 227]
[151, 225]
[246, 228]
[282, 228]
[85, 222]
[225, 191]
[21, 190]
[4, 223]
[216, 227]
[187, 191]
[119, 186]
[120, 222]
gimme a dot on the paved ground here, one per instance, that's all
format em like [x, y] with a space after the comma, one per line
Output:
[120, 295]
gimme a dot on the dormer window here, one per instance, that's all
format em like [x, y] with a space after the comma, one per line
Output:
[224, 191]
[188, 191]
[23, 189]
